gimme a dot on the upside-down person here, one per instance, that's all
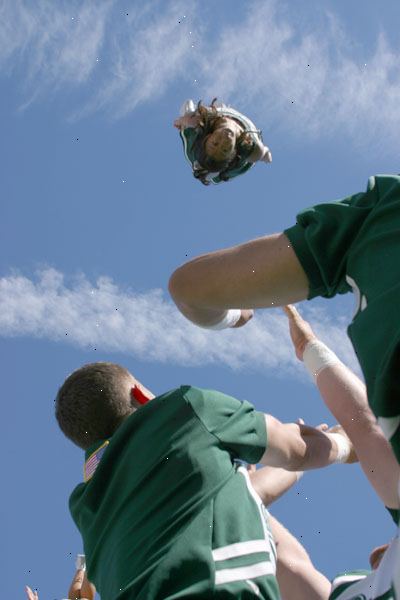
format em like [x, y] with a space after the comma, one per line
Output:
[219, 142]
[163, 511]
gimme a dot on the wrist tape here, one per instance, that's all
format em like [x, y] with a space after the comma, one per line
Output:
[344, 447]
[229, 320]
[317, 357]
[80, 562]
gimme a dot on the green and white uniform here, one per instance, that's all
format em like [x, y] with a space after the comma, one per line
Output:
[167, 514]
[368, 585]
[354, 244]
[189, 136]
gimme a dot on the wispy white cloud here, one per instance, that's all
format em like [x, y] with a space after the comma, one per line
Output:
[54, 43]
[147, 325]
[147, 56]
[310, 80]
[306, 79]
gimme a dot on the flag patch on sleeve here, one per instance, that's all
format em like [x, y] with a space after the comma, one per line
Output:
[93, 461]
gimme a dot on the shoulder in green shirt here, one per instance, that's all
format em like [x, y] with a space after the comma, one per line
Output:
[156, 479]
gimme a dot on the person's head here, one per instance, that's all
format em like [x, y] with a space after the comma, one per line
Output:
[376, 556]
[94, 400]
[220, 145]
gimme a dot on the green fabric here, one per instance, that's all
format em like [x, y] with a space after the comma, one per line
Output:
[359, 237]
[338, 590]
[189, 137]
[236, 425]
[345, 591]
[395, 514]
[166, 493]
[242, 167]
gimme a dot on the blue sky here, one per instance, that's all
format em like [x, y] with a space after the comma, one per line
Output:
[98, 206]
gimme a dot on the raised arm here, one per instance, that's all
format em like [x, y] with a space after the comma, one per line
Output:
[271, 483]
[81, 587]
[298, 447]
[345, 396]
[297, 577]
[261, 273]
[187, 121]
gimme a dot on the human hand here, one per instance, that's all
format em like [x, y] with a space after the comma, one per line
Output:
[353, 458]
[187, 121]
[81, 588]
[321, 427]
[300, 330]
[30, 594]
[246, 315]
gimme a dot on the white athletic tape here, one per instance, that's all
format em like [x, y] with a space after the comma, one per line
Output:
[230, 319]
[317, 357]
[80, 562]
[344, 447]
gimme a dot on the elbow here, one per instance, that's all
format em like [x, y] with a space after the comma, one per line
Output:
[179, 287]
[188, 283]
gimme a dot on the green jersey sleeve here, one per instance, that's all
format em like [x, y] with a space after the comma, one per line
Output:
[323, 238]
[189, 137]
[239, 428]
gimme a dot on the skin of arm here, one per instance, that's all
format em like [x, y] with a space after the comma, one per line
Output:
[271, 483]
[298, 447]
[81, 588]
[298, 579]
[346, 397]
[187, 121]
[262, 273]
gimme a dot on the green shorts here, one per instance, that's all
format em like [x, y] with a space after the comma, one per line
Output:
[354, 245]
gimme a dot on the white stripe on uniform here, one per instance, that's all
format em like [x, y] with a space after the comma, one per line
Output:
[345, 579]
[241, 573]
[239, 549]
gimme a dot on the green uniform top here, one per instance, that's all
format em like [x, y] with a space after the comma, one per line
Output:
[167, 514]
[354, 244]
[190, 134]
[369, 585]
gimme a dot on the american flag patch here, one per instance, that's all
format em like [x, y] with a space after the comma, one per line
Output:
[92, 462]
